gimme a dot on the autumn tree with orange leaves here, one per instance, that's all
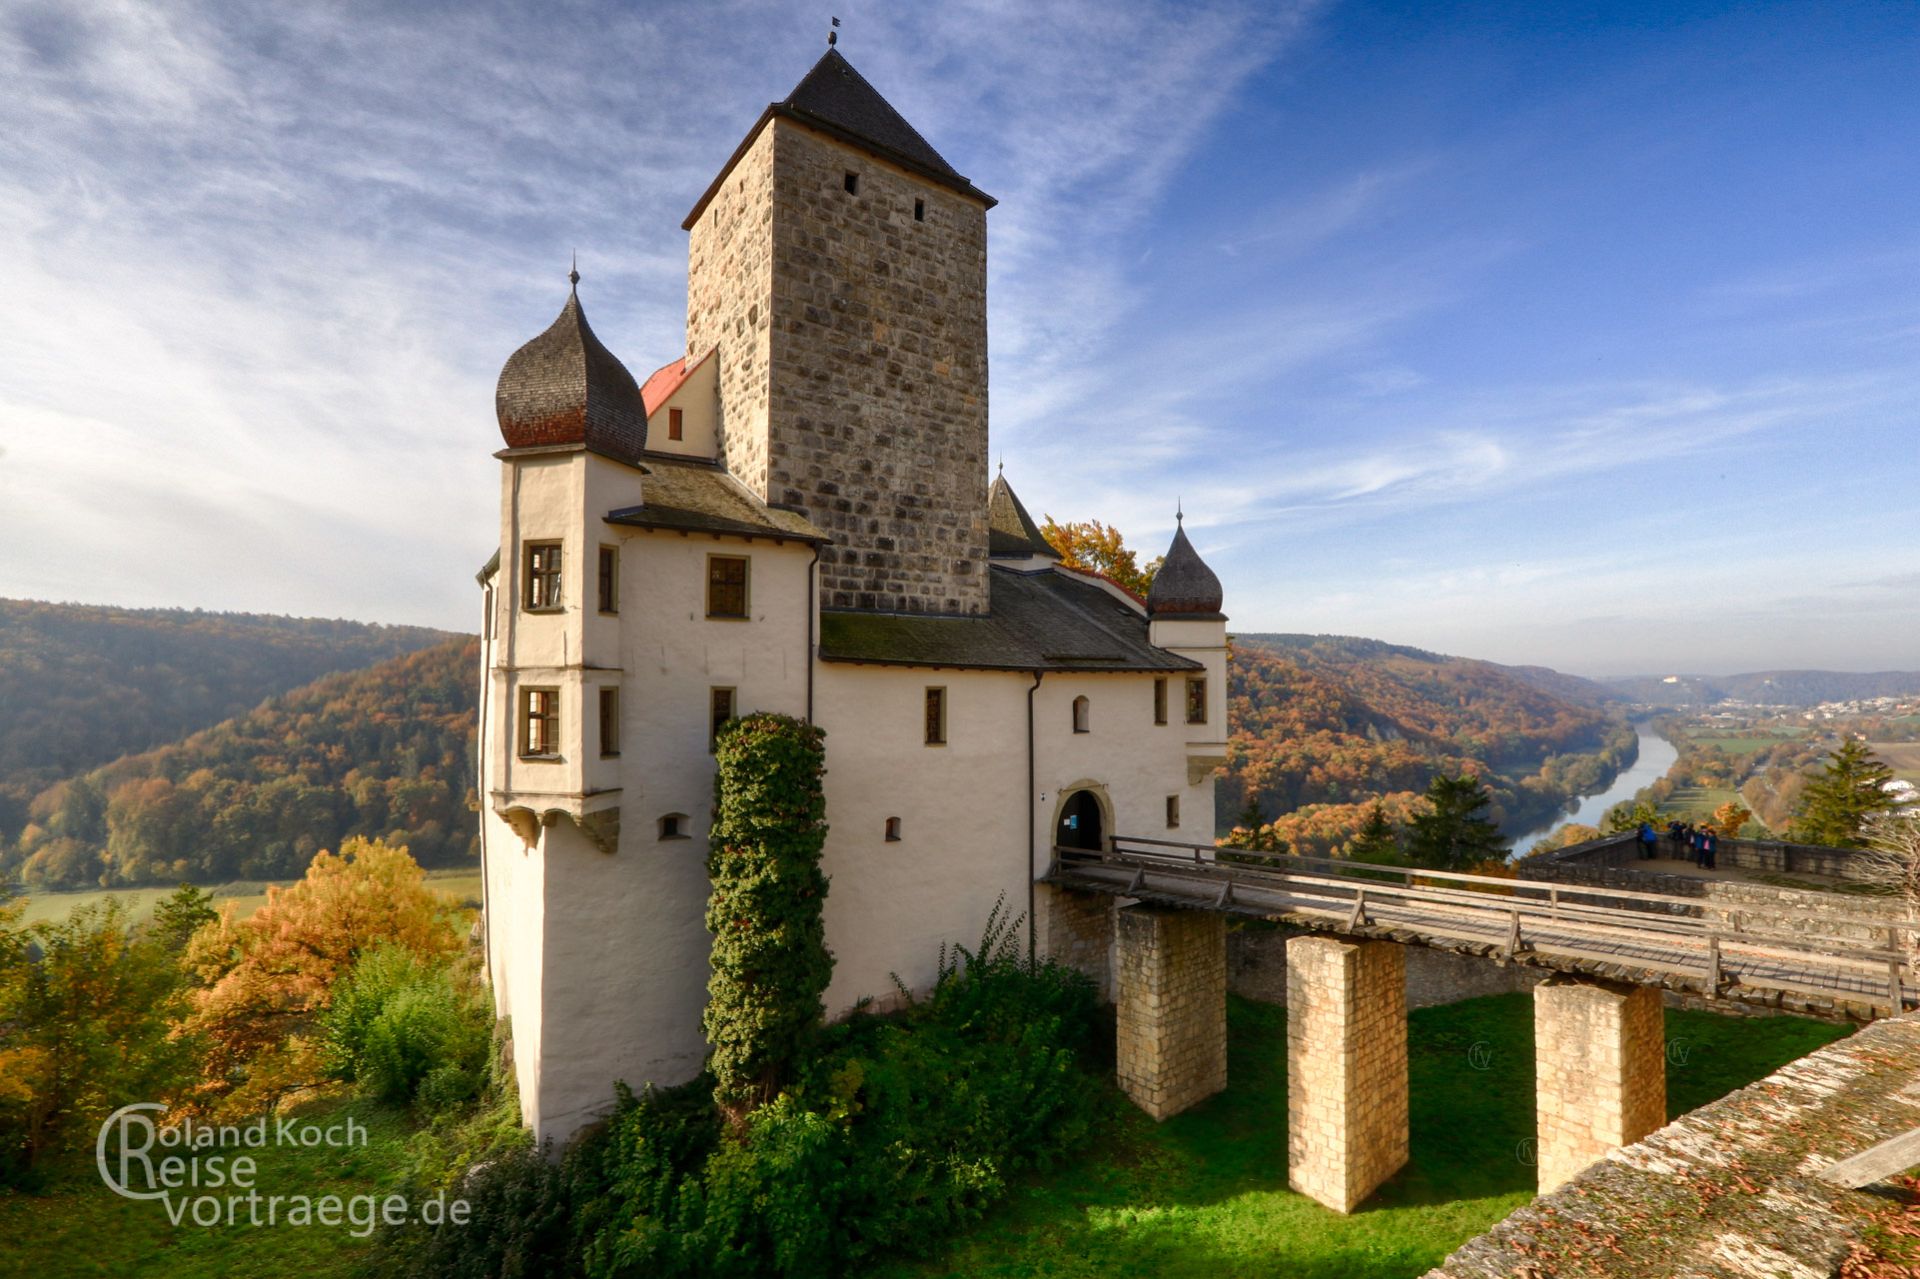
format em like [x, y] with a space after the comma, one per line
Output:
[1100, 548]
[266, 980]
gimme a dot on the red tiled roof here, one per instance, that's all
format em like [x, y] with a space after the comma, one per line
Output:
[668, 378]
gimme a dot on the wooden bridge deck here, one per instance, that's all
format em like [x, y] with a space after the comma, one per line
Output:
[1750, 955]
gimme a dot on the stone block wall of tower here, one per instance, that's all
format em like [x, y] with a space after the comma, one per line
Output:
[853, 362]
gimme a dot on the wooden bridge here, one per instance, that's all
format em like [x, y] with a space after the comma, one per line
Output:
[1147, 917]
[1776, 958]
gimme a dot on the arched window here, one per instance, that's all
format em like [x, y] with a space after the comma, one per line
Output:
[1080, 712]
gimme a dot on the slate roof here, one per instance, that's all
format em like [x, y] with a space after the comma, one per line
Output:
[838, 101]
[565, 387]
[1040, 621]
[1185, 586]
[693, 496]
[1011, 532]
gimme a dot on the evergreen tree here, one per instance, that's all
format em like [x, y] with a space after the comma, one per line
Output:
[1836, 804]
[1377, 841]
[770, 958]
[179, 916]
[1452, 833]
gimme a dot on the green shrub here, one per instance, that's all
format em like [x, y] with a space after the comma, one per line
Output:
[407, 1029]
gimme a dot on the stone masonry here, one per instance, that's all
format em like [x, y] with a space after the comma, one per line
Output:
[1078, 932]
[1171, 1006]
[1346, 1068]
[853, 373]
[1600, 1072]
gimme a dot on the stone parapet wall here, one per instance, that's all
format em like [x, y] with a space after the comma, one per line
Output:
[1170, 1007]
[1728, 1190]
[1346, 1068]
[1760, 856]
[1600, 1072]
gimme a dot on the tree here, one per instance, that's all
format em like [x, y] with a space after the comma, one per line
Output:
[1839, 799]
[1624, 818]
[1892, 860]
[176, 918]
[267, 979]
[1089, 544]
[1451, 833]
[1730, 818]
[770, 959]
[1377, 841]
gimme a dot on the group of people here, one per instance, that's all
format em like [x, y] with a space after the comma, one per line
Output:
[1697, 844]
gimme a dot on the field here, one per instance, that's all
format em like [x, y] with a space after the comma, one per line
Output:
[1738, 744]
[1696, 801]
[1203, 1195]
[1902, 757]
[460, 883]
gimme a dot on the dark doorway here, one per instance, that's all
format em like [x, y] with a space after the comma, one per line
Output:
[1081, 825]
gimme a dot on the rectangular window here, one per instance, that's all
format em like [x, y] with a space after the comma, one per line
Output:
[726, 586]
[609, 722]
[852, 183]
[919, 210]
[1173, 812]
[676, 424]
[539, 723]
[722, 711]
[609, 579]
[936, 717]
[1196, 699]
[1160, 700]
[543, 576]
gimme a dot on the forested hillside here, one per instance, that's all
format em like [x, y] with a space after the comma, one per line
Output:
[383, 752]
[1765, 688]
[83, 685]
[1322, 725]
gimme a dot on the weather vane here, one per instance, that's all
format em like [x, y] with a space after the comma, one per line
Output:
[833, 36]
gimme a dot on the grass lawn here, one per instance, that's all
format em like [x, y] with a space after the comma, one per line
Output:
[1205, 1194]
[460, 883]
[1741, 743]
[1902, 757]
[80, 1228]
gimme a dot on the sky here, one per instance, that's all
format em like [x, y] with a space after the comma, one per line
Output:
[1574, 334]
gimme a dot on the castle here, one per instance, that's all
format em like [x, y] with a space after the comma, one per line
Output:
[795, 516]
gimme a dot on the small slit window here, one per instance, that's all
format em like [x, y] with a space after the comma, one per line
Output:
[720, 711]
[676, 424]
[543, 576]
[674, 826]
[609, 722]
[1173, 812]
[1160, 700]
[852, 183]
[609, 579]
[539, 723]
[936, 717]
[1196, 699]
[893, 830]
[919, 210]
[1082, 715]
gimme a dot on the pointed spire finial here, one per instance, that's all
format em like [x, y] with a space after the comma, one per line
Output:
[1003, 464]
[1179, 515]
[573, 273]
[833, 34]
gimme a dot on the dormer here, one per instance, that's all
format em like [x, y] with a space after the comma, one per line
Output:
[683, 404]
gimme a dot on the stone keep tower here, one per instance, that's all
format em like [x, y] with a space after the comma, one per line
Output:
[839, 265]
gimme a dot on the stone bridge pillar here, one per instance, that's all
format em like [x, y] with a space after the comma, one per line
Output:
[1171, 1005]
[1600, 1071]
[1076, 930]
[1346, 1067]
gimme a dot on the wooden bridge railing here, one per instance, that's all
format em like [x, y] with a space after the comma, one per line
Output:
[1767, 947]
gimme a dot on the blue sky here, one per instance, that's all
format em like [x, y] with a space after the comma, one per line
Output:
[1583, 335]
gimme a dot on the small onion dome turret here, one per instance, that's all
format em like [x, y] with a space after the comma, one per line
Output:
[564, 387]
[1184, 586]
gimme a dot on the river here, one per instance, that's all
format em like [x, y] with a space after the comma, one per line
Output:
[1656, 757]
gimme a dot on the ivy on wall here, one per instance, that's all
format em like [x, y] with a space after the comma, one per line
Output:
[770, 957]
